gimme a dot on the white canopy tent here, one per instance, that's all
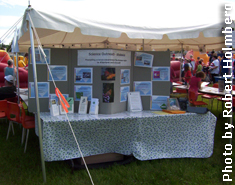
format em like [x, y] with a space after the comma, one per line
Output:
[68, 31]
[74, 31]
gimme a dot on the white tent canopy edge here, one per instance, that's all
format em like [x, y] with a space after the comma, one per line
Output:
[63, 31]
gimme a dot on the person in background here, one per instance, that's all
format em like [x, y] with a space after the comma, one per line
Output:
[222, 69]
[211, 57]
[196, 64]
[214, 68]
[199, 67]
[192, 62]
[173, 57]
[8, 91]
[187, 74]
[9, 70]
[26, 60]
[195, 82]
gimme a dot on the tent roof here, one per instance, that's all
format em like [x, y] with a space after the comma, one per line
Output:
[68, 31]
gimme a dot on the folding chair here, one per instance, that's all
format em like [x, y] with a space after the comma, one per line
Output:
[28, 122]
[3, 109]
[192, 99]
[13, 116]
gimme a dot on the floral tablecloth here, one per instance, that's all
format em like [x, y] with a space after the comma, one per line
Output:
[145, 135]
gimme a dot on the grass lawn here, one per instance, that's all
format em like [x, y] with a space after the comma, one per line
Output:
[17, 168]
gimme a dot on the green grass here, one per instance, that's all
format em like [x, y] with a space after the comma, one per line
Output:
[17, 168]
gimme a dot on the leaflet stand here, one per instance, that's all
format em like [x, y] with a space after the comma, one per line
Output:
[134, 102]
[54, 110]
[83, 105]
[94, 107]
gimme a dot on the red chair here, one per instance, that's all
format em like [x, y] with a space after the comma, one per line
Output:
[28, 122]
[210, 97]
[3, 109]
[13, 116]
[192, 99]
[181, 90]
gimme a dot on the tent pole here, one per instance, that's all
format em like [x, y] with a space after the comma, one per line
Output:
[37, 101]
[17, 77]
[143, 44]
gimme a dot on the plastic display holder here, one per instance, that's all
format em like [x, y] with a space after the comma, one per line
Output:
[54, 109]
[83, 105]
[94, 107]
[172, 104]
[134, 102]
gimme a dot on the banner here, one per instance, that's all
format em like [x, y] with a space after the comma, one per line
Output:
[104, 57]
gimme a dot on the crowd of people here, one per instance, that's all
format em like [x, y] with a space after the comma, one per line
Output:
[193, 72]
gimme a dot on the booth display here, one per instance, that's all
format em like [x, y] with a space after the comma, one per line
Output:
[106, 77]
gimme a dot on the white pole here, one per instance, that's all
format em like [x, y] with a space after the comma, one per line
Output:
[16, 76]
[37, 101]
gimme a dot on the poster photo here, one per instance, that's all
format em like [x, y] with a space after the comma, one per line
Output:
[107, 73]
[108, 92]
[125, 76]
[58, 72]
[144, 87]
[161, 73]
[82, 90]
[143, 59]
[158, 102]
[123, 93]
[43, 89]
[39, 58]
[83, 75]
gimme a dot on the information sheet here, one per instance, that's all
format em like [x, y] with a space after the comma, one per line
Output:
[144, 87]
[43, 90]
[83, 75]
[123, 93]
[161, 73]
[40, 58]
[158, 102]
[143, 59]
[58, 72]
[82, 90]
[134, 102]
[125, 76]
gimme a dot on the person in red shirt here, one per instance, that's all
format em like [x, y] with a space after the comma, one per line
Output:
[187, 74]
[195, 83]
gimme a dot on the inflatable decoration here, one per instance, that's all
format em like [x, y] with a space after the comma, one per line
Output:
[196, 54]
[23, 76]
[4, 57]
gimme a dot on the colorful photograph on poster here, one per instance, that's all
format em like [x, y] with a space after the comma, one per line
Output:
[107, 73]
[108, 92]
[143, 59]
[43, 89]
[82, 90]
[123, 93]
[125, 76]
[144, 87]
[83, 75]
[58, 72]
[158, 102]
[39, 58]
[161, 73]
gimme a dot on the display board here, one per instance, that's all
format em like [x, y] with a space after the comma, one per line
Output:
[108, 75]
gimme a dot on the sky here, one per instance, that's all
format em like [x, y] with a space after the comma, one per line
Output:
[12, 10]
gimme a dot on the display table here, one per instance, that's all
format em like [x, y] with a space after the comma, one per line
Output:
[145, 135]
